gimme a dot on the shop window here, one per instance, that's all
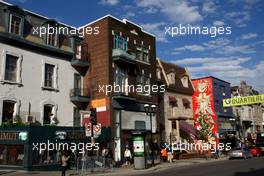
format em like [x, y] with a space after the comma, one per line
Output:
[8, 111]
[11, 155]
[47, 114]
[15, 26]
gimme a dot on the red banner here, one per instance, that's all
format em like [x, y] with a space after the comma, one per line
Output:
[205, 119]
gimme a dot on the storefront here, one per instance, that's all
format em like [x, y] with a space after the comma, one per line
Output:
[34, 147]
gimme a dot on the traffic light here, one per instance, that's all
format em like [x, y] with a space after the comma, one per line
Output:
[93, 116]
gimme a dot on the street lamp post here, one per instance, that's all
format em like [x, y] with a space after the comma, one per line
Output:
[151, 110]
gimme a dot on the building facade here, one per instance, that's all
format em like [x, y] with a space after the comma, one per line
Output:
[177, 103]
[250, 117]
[123, 58]
[211, 119]
[38, 76]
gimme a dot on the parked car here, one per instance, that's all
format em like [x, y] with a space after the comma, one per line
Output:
[239, 153]
[255, 151]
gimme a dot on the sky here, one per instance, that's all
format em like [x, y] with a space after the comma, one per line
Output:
[231, 57]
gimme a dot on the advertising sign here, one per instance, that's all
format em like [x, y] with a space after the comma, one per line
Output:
[138, 144]
[238, 101]
[205, 119]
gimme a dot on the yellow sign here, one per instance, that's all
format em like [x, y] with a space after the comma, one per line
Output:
[238, 101]
[98, 103]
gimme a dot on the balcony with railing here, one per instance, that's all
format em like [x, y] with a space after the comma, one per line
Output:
[78, 95]
[81, 60]
[122, 56]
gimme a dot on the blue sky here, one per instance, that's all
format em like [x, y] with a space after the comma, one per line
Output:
[235, 57]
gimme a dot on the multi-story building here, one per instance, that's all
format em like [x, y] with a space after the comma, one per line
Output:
[40, 79]
[176, 103]
[250, 116]
[208, 103]
[122, 56]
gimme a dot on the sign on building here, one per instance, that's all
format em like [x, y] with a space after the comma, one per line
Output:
[238, 101]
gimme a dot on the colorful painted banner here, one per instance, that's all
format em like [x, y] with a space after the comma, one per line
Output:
[205, 119]
[238, 101]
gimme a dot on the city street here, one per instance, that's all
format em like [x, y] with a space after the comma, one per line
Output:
[249, 167]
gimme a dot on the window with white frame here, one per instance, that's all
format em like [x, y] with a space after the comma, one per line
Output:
[50, 76]
[171, 78]
[16, 23]
[11, 68]
[184, 81]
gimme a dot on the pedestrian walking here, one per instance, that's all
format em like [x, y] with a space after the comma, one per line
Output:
[128, 156]
[164, 154]
[64, 163]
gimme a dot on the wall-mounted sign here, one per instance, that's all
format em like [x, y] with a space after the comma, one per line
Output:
[9, 135]
[23, 136]
[238, 101]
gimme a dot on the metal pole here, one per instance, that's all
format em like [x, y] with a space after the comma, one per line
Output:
[92, 137]
[151, 138]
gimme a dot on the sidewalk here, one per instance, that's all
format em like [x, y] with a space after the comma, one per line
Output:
[119, 171]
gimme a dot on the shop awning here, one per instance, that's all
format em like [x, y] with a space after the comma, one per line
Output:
[187, 128]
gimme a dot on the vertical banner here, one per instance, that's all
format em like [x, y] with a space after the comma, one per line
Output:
[205, 119]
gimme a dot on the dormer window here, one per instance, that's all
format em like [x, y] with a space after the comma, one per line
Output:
[158, 73]
[171, 78]
[15, 25]
[184, 81]
[51, 37]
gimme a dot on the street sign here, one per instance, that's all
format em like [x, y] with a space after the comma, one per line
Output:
[238, 101]
[96, 130]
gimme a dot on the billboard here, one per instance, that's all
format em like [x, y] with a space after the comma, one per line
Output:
[205, 118]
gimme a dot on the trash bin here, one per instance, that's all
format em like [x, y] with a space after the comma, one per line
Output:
[139, 152]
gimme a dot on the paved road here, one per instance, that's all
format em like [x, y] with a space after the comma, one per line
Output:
[249, 167]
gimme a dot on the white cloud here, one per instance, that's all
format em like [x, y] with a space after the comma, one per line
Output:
[179, 11]
[239, 18]
[218, 23]
[209, 7]
[249, 36]
[190, 48]
[157, 29]
[232, 69]
[109, 2]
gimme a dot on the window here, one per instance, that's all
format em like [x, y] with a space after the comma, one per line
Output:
[158, 73]
[142, 54]
[120, 42]
[49, 75]
[15, 26]
[144, 82]
[47, 114]
[222, 90]
[8, 111]
[184, 81]
[173, 125]
[121, 79]
[11, 68]
[171, 78]
[52, 37]
[78, 51]
[76, 117]
[186, 103]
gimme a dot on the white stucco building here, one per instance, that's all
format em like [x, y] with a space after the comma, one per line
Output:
[40, 76]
